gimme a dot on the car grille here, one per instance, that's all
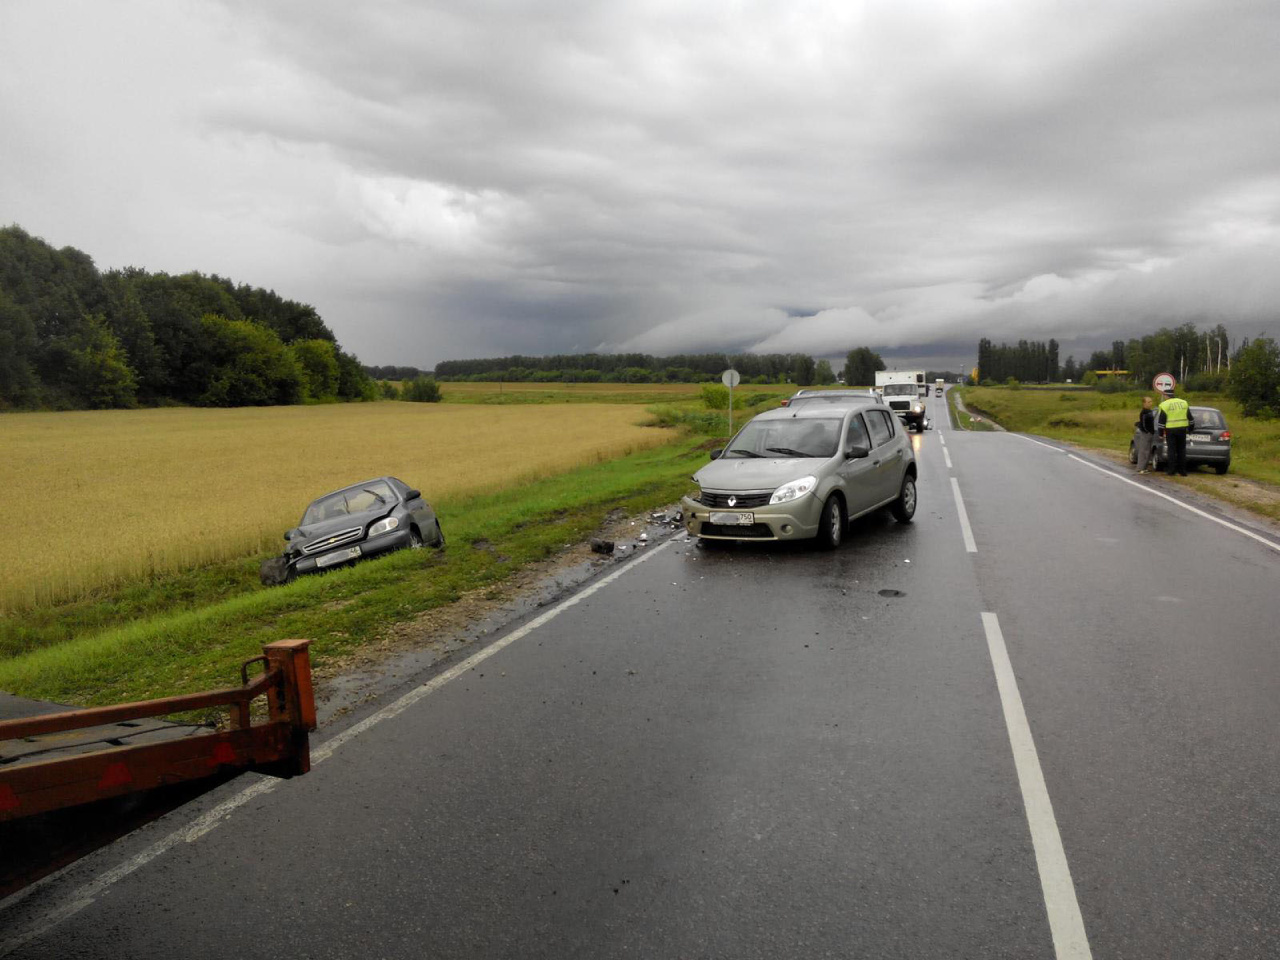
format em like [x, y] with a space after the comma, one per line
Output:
[900, 404]
[740, 500]
[334, 540]
[756, 531]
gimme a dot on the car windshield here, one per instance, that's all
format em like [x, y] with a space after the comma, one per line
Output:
[1208, 419]
[349, 501]
[810, 437]
[899, 389]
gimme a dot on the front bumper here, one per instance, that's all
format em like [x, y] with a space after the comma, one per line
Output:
[370, 547]
[796, 520]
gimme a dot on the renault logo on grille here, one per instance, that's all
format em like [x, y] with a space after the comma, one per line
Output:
[733, 501]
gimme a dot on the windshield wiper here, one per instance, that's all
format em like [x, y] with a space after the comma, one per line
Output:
[789, 452]
[746, 453]
[372, 494]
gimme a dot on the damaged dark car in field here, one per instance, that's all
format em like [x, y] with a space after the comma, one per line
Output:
[362, 520]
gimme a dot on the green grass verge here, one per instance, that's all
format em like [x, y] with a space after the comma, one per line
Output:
[191, 633]
[965, 421]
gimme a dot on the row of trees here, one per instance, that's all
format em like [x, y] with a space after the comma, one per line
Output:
[72, 337]
[638, 368]
[1183, 351]
[1029, 360]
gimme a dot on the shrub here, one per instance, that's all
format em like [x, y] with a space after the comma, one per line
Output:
[1206, 382]
[1013, 384]
[421, 390]
[715, 396]
[1114, 385]
[1255, 378]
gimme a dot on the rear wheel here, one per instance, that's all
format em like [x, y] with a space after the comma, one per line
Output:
[904, 508]
[831, 524]
[1222, 468]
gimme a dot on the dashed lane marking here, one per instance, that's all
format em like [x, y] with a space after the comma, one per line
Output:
[965, 529]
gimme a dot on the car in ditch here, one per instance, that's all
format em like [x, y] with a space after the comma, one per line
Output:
[1208, 442]
[805, 472]
[363, 520]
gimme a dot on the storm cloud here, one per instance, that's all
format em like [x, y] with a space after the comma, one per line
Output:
[484, 178]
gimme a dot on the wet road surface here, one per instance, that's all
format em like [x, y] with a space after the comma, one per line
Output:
[771, 751]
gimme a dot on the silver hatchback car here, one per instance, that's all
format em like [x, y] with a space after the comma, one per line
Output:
[805, 472]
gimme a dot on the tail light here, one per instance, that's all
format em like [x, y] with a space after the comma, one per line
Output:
[1225, 435]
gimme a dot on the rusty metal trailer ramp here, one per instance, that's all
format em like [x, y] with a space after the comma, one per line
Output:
[73, 781]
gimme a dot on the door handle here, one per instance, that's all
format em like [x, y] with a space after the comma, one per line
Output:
[875, 463]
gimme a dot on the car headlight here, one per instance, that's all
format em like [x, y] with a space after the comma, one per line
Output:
[385, 525]
[917, 407]
[793, 490]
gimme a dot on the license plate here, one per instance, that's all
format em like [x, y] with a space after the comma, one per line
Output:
[1194, 438]
[338, 556]
[734, 519]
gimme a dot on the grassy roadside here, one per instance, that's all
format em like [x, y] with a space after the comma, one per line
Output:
[190, 633]
[1104, 422]
[962, 421]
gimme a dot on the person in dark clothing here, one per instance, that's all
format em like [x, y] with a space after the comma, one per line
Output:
[1175, 422]
[1145, 441]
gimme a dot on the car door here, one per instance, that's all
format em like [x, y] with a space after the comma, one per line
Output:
[886, 453]
[858, 477]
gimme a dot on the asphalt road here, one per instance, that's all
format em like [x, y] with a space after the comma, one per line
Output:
[769, 751]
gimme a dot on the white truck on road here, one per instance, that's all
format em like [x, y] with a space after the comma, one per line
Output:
[904, 391]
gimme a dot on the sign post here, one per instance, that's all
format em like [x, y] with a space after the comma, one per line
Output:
[1164, 383]
[730, 378]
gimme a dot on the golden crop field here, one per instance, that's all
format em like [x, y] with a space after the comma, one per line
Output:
[106, 496]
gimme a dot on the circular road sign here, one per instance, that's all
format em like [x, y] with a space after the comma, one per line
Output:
[1164, 382]
[730, 378]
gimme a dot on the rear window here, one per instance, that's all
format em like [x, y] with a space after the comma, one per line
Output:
[1208, 419]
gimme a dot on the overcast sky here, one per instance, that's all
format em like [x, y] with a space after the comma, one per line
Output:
[477, 178]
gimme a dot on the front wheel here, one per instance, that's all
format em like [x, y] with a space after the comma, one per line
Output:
[1221, 468]
[1133, 452]
[439, 541]
[904, 508]
[415, 539]
[831, 525]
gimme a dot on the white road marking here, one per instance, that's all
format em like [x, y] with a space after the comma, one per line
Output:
[65, 907]
[1164, 496]
[946, 455]
[964, 518]
[1185, 506]
[1065, 923]
[942, 440]
[1040, 443]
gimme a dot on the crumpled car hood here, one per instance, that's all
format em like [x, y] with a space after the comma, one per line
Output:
[747, 474]
[325, 528]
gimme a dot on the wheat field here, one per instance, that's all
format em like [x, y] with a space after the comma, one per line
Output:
[101, 497]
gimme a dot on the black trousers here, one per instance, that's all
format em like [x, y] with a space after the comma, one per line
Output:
[1176, 437]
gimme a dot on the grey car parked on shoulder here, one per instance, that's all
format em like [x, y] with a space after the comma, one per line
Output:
[362, 520]
[1208, 442]
[805, 472]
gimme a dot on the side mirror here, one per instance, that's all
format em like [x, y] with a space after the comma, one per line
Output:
[715, 454]
[857, 451]
[288, 534]
[413, 495]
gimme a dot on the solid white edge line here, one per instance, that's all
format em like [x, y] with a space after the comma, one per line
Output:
[946, 455]
[1070, 942]
[86, 894]
[1164, 496]
[1040, 443]
[965, 529]
[1185, 506]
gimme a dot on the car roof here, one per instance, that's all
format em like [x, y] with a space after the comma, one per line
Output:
[807, 411]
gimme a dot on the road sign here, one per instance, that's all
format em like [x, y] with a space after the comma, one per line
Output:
[1164, 383]
[731, 378]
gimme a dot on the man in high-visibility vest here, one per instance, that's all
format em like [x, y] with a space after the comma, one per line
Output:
[1175, 422]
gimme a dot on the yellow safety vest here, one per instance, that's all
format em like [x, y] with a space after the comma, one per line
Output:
[1175, 412]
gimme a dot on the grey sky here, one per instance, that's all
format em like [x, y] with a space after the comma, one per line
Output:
[478, 178]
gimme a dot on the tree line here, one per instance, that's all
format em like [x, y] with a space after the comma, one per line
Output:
[72, 337]
[640, 368]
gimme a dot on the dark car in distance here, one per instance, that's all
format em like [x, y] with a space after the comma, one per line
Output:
[1208, 442]
[362, 520]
